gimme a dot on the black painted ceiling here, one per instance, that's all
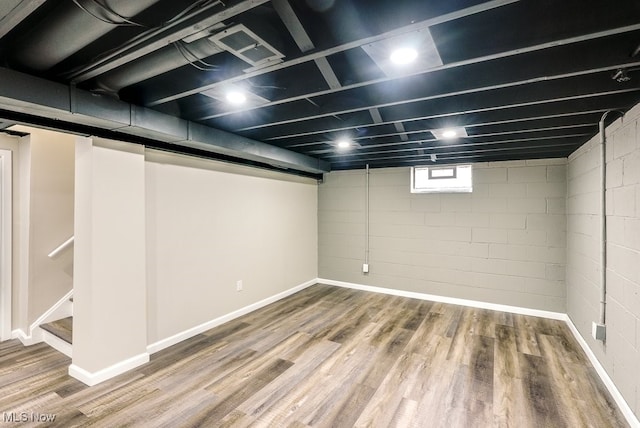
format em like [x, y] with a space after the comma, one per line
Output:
[526, 79]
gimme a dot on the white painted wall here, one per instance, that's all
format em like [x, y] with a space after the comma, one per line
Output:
[110, 318]
[504, 243]
[10, 143]
[211, 224]
[621, 352]
[45, 185]
[51, 218]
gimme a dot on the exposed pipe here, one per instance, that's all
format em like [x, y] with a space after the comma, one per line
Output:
[366, 217]
[66, 30]
[603, 217]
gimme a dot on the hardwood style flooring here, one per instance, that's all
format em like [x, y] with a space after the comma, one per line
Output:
[333, 357]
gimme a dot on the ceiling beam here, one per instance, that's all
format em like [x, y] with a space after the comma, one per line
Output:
[327, 73]
[363, 148]
[375, 115]
[441, 155]
[453, 145]
[293, 24]
[304, 42]
[483, 7]
[401, 131]
[477, 124]
[486, 58]
[456, 113]
[545, 78]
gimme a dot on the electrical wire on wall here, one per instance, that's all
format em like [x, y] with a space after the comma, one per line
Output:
[603, 226]
[366, 221]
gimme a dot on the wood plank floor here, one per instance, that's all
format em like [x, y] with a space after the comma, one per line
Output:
[332, 357]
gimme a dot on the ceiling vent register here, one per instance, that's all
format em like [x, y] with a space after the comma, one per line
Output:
[248, 46]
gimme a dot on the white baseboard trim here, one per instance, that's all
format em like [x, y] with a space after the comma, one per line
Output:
[58, 344]
[451, 300]
[33, 338]
[177, 338]
[107, 373]
[608, 382]
[611, 387]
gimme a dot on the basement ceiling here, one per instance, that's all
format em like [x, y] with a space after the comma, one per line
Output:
[520, 79]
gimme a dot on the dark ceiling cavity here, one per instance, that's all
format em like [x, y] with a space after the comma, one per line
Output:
[522, 79]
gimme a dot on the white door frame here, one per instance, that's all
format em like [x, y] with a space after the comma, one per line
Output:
[6, 241]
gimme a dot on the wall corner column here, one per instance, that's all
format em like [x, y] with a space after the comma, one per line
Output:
[110, 319]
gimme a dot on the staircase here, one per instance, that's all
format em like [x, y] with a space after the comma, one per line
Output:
[61, 329]
[57, 328]
[59, 335]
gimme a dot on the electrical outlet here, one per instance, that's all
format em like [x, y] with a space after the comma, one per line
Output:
[365, 268]
[239, 285]
[598, 331]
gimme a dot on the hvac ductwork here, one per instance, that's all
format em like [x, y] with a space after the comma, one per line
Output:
[156, 63]
[238, 40]
[70, 27]
[50, 100]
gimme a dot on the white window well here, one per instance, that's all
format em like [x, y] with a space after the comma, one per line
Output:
[441, 179]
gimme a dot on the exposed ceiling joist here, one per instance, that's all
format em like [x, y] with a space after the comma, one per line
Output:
[515, 78]
[462, 112]
[375, 115]
[483, 7]
[300, 36]
[293, 24]
[478, 60]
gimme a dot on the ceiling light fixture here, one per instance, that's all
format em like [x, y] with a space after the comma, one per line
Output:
[236, 97]
[344, 144]
[450, 133]
[403, 56]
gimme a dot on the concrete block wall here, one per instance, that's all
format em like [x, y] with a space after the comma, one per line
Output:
[504, 243]
[620, 353]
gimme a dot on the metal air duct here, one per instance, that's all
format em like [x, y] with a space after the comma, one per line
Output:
[156, 63]
[69, 28]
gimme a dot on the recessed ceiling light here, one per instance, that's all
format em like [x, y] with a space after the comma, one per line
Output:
[236, 97]
[403, 56]
[344, 144]
[450, 133]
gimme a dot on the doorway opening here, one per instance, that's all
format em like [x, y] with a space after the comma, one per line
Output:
[5, 243]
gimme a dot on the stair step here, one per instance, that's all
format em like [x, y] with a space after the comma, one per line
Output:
[62, 328]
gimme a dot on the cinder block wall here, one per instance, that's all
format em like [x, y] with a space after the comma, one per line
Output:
[504, 243]
[621, 352]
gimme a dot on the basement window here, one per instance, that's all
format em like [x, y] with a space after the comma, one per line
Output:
[441, 179]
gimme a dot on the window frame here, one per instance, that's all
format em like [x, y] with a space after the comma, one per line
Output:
[457, 183]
